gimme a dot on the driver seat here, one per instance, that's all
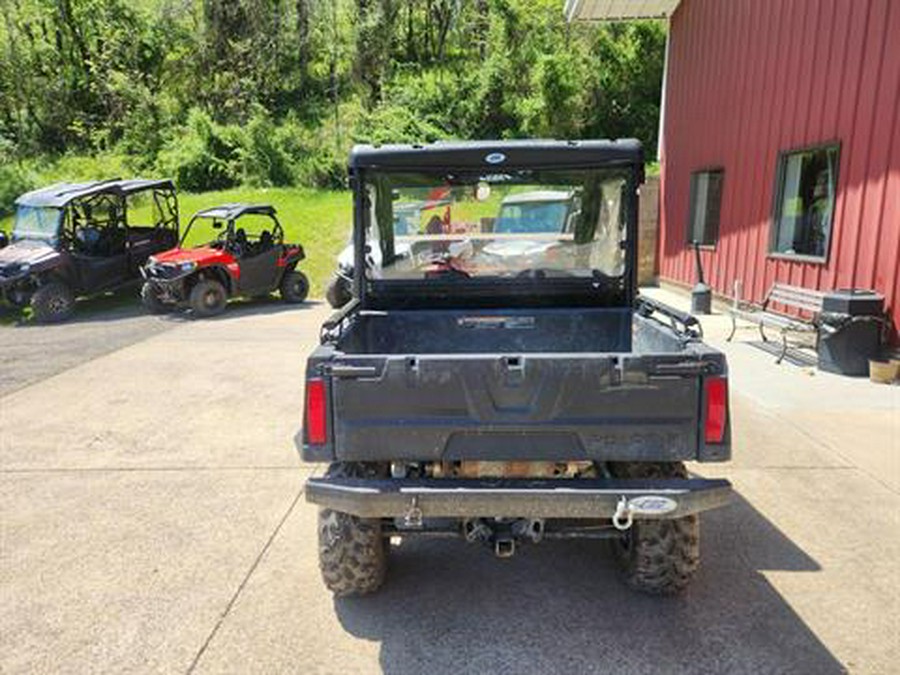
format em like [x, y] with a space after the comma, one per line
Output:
[265, 241]
[241, 245]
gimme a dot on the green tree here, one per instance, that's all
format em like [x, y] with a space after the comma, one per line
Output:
[275, 91]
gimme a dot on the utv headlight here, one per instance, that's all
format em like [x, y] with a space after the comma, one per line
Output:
[24, 268]
[187, 266]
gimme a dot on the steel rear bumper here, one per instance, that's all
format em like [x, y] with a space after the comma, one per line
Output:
[550, 498]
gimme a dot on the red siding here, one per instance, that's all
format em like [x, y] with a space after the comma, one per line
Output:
[749, 79]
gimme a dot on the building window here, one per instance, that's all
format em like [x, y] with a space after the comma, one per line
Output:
[706, 203]
[804, 202]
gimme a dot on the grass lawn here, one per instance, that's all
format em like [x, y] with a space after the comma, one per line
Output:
[320, 220]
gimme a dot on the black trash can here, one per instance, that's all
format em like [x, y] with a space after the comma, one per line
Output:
[701, 299]
[850, 327]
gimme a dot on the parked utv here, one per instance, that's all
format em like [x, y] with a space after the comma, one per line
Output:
[74, 239]
[244, 254]
[500, 380]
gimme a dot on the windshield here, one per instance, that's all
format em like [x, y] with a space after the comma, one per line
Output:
[201, 230]
[37, 222]
[534, 216]
[515, 224]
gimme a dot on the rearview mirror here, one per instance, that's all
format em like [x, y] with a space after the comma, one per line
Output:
[217, 225]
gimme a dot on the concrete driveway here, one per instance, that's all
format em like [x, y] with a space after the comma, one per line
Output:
[152, 520]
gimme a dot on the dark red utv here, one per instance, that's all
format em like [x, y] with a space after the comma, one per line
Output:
[246, 256]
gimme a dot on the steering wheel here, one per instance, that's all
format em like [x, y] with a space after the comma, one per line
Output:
[221, 243]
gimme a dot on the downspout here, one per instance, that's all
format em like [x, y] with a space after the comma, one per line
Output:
[662, 97]
[660, 153]
[571, 9]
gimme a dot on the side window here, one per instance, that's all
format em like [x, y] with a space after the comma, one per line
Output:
[141, 209]
[705, 206]
[804, 202]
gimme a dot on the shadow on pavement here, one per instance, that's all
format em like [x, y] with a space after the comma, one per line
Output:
[796, 356]
[244, 307]
[448, 607]
[112, 306]
[124, 304]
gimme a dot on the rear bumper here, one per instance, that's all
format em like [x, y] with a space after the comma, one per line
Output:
[485, 498]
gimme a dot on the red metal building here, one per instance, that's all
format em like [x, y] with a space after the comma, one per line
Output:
[780, 142]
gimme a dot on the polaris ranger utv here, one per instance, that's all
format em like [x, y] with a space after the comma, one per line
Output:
[74, 239]
[504, 382]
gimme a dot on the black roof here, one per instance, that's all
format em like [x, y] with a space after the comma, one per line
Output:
[234, 211]
[498, 154]
[60, 194]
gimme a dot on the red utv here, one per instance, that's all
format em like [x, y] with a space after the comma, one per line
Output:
[246, 257]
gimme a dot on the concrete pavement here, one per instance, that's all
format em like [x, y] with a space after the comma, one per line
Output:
[151, 521]
[101, 325]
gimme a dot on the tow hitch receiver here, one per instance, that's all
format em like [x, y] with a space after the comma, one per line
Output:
[505, 547]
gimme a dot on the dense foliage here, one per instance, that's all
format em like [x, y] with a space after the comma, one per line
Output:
[273, 92]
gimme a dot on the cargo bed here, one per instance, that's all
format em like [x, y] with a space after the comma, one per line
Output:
[594, 384]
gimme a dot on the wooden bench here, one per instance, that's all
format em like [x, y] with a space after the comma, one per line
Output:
[762, 316]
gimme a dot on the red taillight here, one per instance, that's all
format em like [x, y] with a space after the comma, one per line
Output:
[716, 396]
[316, 412]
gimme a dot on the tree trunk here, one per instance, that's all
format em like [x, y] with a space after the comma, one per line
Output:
[410, 32]
[303, 43]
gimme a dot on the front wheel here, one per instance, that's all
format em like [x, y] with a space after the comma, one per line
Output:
[208, 298]
[53, 302]
[338, 292]
[659, 557]
[150, 296]
[294, 286]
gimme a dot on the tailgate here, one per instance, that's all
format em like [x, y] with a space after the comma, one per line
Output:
[525, 407]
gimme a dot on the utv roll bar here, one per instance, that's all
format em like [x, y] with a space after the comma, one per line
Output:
[60, 195]
[499, 155]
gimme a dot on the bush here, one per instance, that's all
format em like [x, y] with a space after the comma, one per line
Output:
[14, 178]
[324, 169]
[202, 155]
[75, 168]
[397, 124]
[264, 159]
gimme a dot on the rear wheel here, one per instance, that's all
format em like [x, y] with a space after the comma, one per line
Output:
[294, 286]
[352, 550]
[150, 296]
[53, 302]
[657, 556]
[208, 298]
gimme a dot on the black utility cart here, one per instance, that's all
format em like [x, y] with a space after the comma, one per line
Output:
[496, 376]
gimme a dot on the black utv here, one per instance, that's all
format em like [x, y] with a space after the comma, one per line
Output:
[497, 376]
[75, 239]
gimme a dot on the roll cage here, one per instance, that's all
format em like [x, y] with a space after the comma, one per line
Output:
[374, 170]
[228, 215]
[103, 206]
